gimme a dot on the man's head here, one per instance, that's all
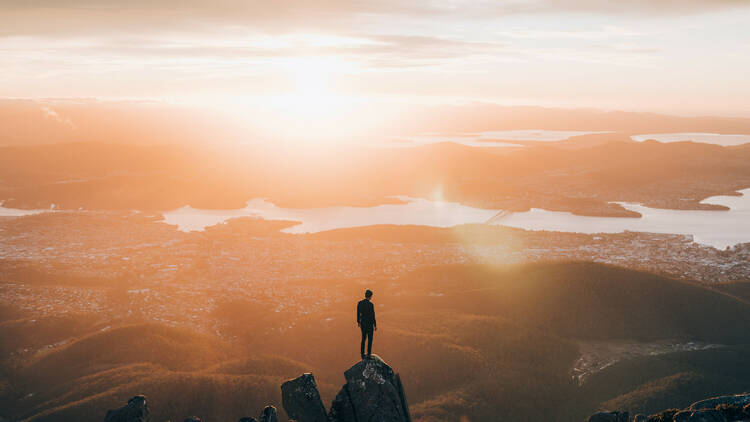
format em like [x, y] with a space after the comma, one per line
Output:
[368, 294]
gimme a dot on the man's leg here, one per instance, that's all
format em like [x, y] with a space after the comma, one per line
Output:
[362, 345]
[369, 341]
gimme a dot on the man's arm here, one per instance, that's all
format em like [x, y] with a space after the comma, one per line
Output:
[374, 322]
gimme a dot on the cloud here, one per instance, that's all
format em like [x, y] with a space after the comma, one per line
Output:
[49, 17]
[410, 51]
[606, 31]
[382, 50]
[50, 113]
[82, 17]
[640, 7]
[441, 49]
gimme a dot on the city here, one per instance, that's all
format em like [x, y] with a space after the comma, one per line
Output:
[127, 264]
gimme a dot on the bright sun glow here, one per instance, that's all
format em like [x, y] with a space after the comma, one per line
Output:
[303, 105]
[311, 93]
[310, 108]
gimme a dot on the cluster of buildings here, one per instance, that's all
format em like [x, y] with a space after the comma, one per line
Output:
[128, 265]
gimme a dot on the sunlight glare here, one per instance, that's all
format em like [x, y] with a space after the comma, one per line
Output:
[311, 109]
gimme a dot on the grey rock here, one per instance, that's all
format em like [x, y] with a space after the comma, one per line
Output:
[402, 396]
[247, 419]
[269, 415]
[699, 416]
[135, 411]
[372, 393]
[610, 417]
[640, 418]
[739, 399]
[341, 408]
[301, 399]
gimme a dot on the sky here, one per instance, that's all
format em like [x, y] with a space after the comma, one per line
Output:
[686, 57]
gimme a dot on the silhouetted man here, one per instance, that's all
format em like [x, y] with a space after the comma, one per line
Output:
[366, 322]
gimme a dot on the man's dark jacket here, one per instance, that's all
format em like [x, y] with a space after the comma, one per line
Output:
[366, 313]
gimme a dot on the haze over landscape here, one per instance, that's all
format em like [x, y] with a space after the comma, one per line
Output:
[550, 201]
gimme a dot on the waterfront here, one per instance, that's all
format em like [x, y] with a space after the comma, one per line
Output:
[15, 212]
[414, 211]
[713, 228]
[706, 138]
[496, 138]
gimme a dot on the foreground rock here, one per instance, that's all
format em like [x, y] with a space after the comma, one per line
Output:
[372, 393]
[740, 400]
[700, 416]
[269, 415]
[135, 411]
[610, 417]
[717, 409]
[301, 400]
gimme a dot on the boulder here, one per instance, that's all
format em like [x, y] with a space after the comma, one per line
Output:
[610, 417]
[247, 419]
[738, 399]
[269, 415]
[135, 411]
[301, 399]
[700, 416]
[402, 396]
[341, 408]
[373, 393]
[640, 418]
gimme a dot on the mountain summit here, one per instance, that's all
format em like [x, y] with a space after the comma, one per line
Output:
[373, 392]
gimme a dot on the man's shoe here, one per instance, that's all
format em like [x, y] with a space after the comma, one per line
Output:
[363, 356]
[368, 356]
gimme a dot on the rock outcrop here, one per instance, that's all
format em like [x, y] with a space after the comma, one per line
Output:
[135, 411]
[372, 393]
[301, 399]
[700, 416]
[610, 417]
[269, 415]
[739, 399]
[717, 409]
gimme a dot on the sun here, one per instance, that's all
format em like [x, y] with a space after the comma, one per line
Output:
[302, 106]
[312, 78]
[310, 93]
[310, 107]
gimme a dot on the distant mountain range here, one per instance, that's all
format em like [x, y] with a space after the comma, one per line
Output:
[45, 121]
[583, 178]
